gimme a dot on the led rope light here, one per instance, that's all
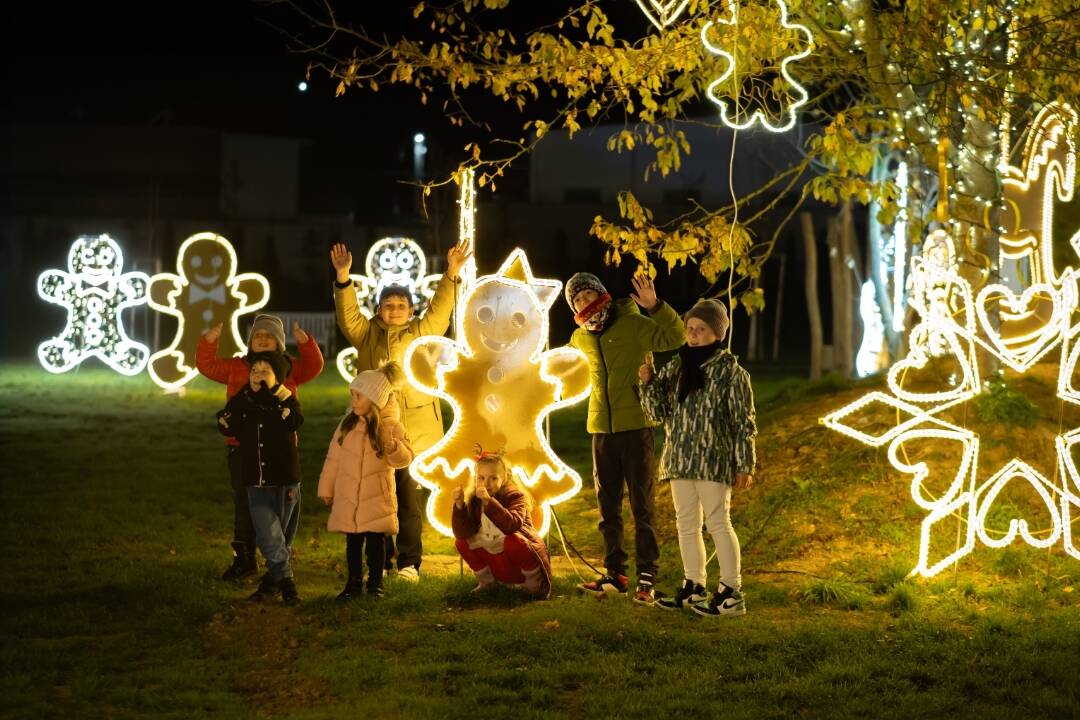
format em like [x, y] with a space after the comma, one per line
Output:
[501, 385]
[800, 92]
[95, 291]
[662, 14]
[205, 291]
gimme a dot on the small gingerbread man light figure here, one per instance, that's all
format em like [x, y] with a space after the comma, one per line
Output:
[94, 291]
[502, 385]
[206, 291]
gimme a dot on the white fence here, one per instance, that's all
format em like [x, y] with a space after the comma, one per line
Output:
[320, 325]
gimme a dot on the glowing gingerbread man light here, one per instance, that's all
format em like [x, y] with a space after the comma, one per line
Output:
[502, 385]
[206, 291]
[94, 291]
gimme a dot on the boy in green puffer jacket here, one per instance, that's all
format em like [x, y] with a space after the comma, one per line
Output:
[706, 404]
[616, 338]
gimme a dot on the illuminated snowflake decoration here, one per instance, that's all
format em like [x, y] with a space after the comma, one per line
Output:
[94, 290]
[390, 261]
[791, 100]
[955, 324]
[501, 384]
[662, 14]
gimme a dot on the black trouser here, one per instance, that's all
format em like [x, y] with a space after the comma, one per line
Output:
[411, 500]
[243, 528]
[376, 549]
[618, 458]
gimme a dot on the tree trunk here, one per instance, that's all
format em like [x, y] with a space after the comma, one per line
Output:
[753, 340]
[779, 308]
[812, 307]
[852, 287]
[837, 278]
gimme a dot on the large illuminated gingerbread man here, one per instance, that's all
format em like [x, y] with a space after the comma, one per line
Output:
[502, 385]
[205, 292]
[94, 291]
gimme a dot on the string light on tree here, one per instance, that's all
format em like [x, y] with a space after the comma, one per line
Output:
[501, 385]
[94, 290]
[797, 91]
[206, 290]
[389, 261]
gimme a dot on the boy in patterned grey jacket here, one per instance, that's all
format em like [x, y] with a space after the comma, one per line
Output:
[706, 404]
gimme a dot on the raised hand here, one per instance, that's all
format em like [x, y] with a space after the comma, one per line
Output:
[300, 335]
[645, 291]
[483, 494]
[341, 259]
[459, 496]
[213, 334]
[743, 481]
[456, 259]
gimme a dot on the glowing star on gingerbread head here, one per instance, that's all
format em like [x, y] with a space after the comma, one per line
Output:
[502, 385]
[94, 290]
[205, 291]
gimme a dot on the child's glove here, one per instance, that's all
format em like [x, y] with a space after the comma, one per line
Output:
[282, 393]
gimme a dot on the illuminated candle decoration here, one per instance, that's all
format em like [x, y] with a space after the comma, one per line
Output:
[795, 98]
[501, 385]
[94, 290]
[390, 261]
[662, 14]
[205, 291]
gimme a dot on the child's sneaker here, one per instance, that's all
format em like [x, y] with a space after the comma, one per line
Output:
[615, 584]
[727, 602]
[376, 592]
[353, 588]
[268, 588]
[409, 574]
[645, 593]
[690, 593]
[288, 592]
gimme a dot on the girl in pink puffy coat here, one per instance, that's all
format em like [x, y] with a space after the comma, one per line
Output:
[357, 479]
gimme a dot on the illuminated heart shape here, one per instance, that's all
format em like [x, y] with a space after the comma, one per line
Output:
[988, 493]
[908, 369]
[1026, 338]
[665, 12]
[957, 499]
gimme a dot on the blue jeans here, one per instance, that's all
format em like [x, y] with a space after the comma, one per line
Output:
[275, 512]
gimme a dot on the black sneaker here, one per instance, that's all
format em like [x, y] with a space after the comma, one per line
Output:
[243, 563]
[690, 593]
[353, 588]
[727, 602]
[288, 592]
[645, 594]
[615, 584]
[268, 588]
[376, 592]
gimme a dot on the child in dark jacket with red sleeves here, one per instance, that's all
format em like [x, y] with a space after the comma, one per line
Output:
[264, 417]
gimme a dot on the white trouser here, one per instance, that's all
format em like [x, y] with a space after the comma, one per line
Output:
[694, 499]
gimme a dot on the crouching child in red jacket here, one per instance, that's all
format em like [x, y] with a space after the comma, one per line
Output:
[264, 417]
[493, 530]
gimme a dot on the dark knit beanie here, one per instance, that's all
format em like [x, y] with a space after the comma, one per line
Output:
[279, 362]
[396, 291]
[582, 281]
[712, 313]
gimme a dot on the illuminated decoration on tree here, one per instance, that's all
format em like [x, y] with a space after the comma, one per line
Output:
[205, 291]
[94, 290]
[662, 14]
[467, 226]
[868, 358]
[899, 248]
[501, 385]
[390, 261]
[798, 94]
[955, 324]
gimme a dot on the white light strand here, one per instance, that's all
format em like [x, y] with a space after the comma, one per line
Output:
[662, 14]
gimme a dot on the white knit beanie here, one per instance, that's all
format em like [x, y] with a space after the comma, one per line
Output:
[376, 385]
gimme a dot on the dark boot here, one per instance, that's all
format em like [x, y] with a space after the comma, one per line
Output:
[268, 588]
[375, 590]
[243, 562]
[288, 592]
[353, 588]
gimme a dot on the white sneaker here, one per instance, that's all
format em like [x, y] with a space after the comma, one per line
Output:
[409, 574]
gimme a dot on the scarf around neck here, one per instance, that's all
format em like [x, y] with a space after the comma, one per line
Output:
[691, 377]
[594, 316]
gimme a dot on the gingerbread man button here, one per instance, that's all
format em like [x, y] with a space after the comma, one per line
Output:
[94, 291]
[501, 384]
[206, 291]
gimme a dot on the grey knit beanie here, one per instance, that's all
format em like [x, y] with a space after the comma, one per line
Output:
[582, 281]
[271, 324]
[712, 313]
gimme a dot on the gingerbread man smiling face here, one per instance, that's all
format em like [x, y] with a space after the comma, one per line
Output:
[206, 291]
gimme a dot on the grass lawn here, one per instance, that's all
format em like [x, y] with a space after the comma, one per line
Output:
[118, 527]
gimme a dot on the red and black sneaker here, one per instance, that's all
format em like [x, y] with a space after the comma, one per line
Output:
[606, 584]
